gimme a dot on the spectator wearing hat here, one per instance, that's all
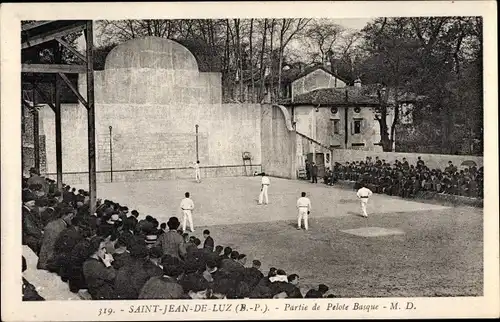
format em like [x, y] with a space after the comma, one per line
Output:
[165, 286]
[50, 235]
[151, 240]
[32, 232]
[98, 271]
[121, 255]
[171, 242]
[319, 293]
[209, 241]
[131, 277]
[66, 241]
[77, 257]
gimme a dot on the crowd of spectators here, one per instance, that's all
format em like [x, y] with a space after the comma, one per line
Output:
[405, 180]
[114, 254]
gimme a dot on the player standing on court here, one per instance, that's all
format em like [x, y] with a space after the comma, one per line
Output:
[187, 206]
[197, 172]
[263, 190]
[304, 207]
[363, 194]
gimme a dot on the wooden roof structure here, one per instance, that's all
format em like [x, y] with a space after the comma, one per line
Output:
[38, 70]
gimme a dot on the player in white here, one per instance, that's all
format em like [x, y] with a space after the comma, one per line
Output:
[304, 207]
[363, 194]
[197, 172]
[187, 206]
[263, 190]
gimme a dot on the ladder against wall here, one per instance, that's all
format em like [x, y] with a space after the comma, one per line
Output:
[247, 161]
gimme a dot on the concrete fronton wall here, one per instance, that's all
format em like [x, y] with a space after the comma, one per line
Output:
[152, 95]
[278, 144]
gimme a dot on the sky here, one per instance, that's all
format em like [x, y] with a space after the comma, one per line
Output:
[348, 23]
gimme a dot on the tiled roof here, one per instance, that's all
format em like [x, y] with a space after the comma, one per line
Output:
[289, 75]
[364, 95]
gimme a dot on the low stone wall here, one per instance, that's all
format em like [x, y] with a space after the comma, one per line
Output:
[73, 178]
[428, 196]
[433, 161]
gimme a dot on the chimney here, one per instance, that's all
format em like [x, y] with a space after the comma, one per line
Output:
[357, 82]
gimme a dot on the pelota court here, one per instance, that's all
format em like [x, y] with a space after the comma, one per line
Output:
[404, 248]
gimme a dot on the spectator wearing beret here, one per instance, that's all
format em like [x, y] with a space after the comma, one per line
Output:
[165, 286]
[319, 293]
[133, 275]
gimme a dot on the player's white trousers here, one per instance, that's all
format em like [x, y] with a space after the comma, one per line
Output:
[197, 175]
[303, 215]
[364, 201]
[187, 216]
[263, 195]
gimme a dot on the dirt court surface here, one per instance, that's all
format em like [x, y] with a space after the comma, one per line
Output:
[404, 248]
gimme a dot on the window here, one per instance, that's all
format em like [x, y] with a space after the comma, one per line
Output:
[336, 126]
[357, 126]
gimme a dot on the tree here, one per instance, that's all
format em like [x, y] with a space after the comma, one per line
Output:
[288, 29]
[321, 36]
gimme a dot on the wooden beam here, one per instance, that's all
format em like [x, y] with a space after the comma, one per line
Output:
[53, 68]
[44, 97]
[74, 90]
[52, 35]
[35, 24]
[57, 99]
[89, 35]
[36, 134]
[71, 49]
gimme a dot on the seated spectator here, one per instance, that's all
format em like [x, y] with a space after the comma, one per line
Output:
[218, 250]
[253, 274]
[32, 232]
[98, 272]
[66, 241]
[131, 277]
[196, 288]
[121, 255]
[319, 293]
[155, 256]
[50, 235]
[163, 228]
[165, 286]
[223, 289]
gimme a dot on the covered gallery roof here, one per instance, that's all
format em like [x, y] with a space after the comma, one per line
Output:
[366, 95]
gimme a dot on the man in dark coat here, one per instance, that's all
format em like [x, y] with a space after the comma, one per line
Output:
[253, 274]
[314, 173]
[50, 235]
[32, 233]
[165, 286]
[209, 241]
[132, 276]
[65, 243]
[98, 271]
[171, 242]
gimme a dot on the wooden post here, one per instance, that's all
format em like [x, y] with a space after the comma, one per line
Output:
[196, 126]
[57, 111]
[36, 132]
[91, 115]
[111, 151]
